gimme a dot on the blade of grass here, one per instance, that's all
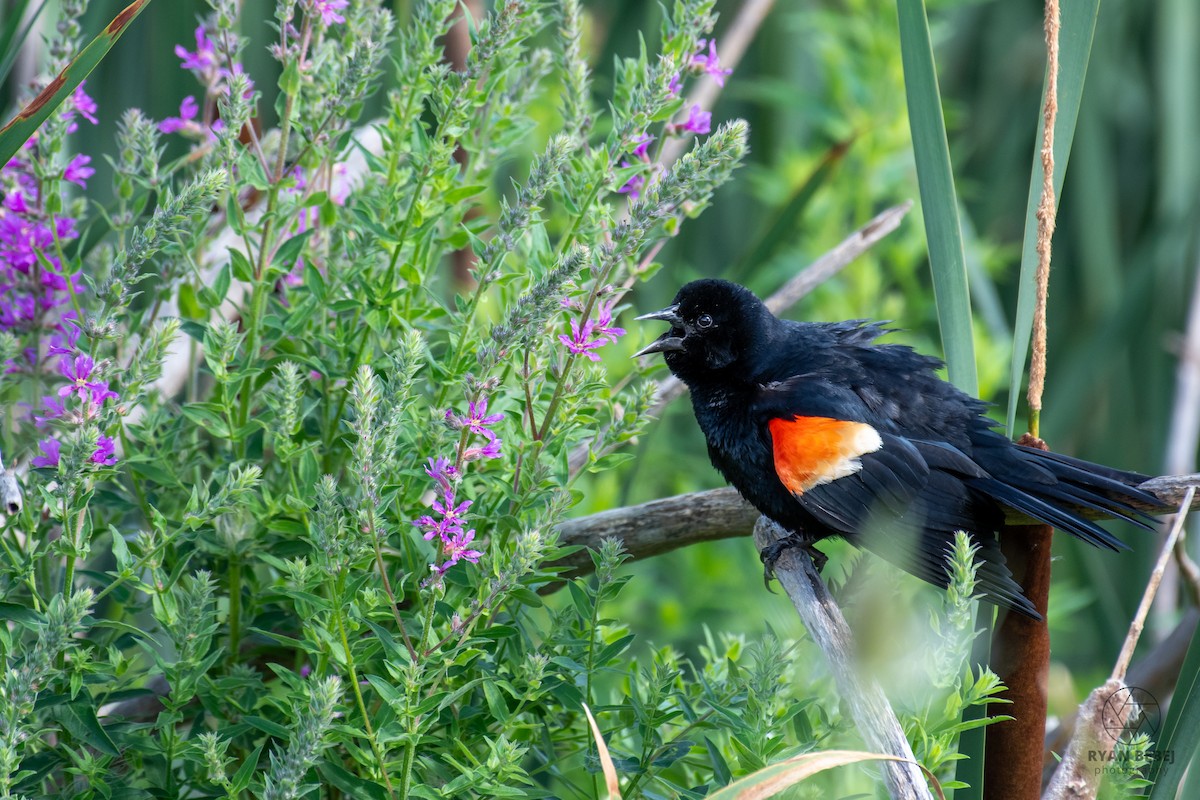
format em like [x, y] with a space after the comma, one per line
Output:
[1180, 736]
[771, 780]
[10, 40]
[1075, 43]
[25, 124]
[939, 202]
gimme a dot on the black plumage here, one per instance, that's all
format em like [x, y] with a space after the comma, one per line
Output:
[832, 434]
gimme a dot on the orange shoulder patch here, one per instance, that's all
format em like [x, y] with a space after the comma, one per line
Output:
[810, 451]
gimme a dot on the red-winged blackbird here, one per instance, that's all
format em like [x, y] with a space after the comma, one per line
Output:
[830, 434]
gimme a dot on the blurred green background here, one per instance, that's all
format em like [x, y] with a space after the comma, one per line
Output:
[822, 88]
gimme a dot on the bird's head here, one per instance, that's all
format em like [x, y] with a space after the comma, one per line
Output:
[714, 325]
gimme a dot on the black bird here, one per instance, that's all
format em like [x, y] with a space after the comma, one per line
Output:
[830, 434]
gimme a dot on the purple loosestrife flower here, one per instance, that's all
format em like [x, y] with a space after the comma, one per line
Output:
[675, 85]
[328, 9]
[453, 517]
[698, 121]
[188, 110]
[593, 334]
[442, 471]
[50, 451]
[84, 104]
[479, 421]
[77, 371]
[580, 342]
[204, 60]
[643, 144]
[104, 451]
[53, 410]
[65, 346]
[710, 63]
[456, 549]
[489, 450]
[78, 171]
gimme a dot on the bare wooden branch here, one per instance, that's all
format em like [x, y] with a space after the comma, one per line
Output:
[660, 525]
[868, 707]
[673, 522]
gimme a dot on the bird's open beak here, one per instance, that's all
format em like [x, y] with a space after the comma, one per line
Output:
[669, 314]
[665, 343]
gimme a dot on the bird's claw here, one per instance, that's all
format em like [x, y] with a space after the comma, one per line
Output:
[771, 553]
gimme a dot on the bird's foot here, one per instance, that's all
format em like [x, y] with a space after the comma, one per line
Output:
[771, 553]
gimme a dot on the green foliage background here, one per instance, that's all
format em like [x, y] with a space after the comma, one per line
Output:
[825, 74]
[823, 91]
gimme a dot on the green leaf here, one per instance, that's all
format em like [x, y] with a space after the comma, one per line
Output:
[939, 202]
[350, 785]
[25, 124]
[289, 251]
[241, 779]
[82, 723]
[1075, 48]
[1180, 737]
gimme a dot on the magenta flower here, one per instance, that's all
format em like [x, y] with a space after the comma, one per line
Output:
[478, 420]
[328, 10]
[442, 471]
[710, 63]
[593, 334]
[675, 85]
[581, 341]
[78, 371]
[84, 104]
[60, 346]
[604, 320]
[50, 451]
[188, 110]
[205, 57]
[643, 143]
[78, 171]
[489, 450]
[698, 121]
[457, 550]
[53, 410]
[104, 451]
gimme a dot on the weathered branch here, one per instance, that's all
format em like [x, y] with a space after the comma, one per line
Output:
[673, 522]
[865, 701]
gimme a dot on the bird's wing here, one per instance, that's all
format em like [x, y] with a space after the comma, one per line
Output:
[903, 499]
[831, 458]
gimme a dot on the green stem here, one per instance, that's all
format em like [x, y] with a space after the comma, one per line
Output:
[362, 706]
[235, 607]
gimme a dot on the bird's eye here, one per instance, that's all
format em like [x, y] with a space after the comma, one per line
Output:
[704, 321]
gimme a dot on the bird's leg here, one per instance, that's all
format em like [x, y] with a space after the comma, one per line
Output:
[771, 553]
